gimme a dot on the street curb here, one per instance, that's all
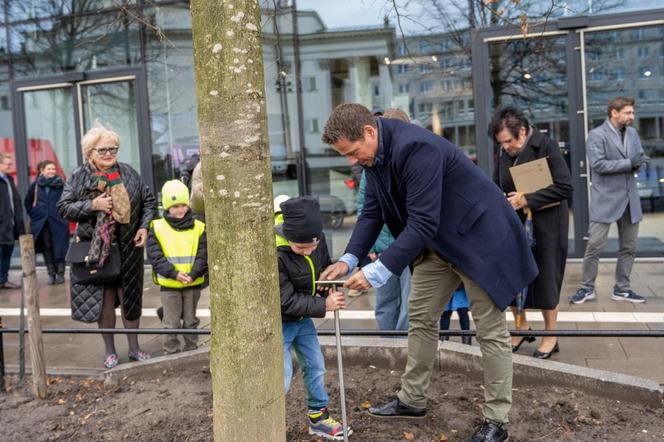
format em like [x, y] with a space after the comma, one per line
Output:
[157, 366]
[390, 353]
[96, 373]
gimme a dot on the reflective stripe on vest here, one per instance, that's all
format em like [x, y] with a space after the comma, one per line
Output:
[179, 247]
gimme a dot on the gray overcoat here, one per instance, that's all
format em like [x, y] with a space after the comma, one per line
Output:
[613, 180]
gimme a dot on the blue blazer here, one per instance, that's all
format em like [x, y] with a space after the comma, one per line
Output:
[430, 194]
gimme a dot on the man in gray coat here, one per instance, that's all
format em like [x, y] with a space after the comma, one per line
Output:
[615, 155]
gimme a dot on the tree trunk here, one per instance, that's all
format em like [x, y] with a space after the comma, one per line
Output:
[246, 359]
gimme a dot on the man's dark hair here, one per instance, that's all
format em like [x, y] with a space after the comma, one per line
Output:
[510, 118]
[618, 103]
[347, 121]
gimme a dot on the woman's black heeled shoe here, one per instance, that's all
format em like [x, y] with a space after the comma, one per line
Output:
[516, 347]
[542, 355]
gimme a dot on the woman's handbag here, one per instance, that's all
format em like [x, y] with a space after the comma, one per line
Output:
[83, 272]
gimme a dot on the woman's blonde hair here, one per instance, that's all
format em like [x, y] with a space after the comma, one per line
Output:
[396, 114]
[91, 137]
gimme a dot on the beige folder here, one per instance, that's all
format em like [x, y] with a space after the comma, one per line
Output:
[532, 176]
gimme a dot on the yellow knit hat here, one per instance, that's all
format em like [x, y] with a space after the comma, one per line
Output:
[174, 192]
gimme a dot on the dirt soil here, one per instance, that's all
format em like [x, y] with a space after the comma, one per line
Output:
[179, 408]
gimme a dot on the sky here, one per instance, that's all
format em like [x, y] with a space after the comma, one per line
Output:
[350, 13]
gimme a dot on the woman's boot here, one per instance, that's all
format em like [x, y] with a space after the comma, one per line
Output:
[52, 273]
[60, 275]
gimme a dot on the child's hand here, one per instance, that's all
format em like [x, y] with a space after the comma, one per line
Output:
[335, 301]
[184, 278]
[373, 256]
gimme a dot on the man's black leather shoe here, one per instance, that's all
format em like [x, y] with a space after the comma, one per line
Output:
[398, 409]
[490, 432]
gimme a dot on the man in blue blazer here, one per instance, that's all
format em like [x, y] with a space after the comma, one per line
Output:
[452, 224]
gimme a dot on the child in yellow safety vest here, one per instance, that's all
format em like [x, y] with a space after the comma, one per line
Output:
[177, 250]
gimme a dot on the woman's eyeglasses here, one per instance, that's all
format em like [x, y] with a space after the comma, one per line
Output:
[106, 150]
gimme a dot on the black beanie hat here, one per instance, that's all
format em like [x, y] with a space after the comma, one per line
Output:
[302, 220]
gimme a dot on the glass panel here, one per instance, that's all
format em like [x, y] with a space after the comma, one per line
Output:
[531, 75]
[172, 92]
[630, 62]
[28, 9]
[50, 129]
[114, 106]
[88, 42]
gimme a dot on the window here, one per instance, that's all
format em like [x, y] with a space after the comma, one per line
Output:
[376, 90]
[425, 47]
[620, 53]
[311, 125]
[618, 74]
[425, 86]
[643, 51]
[403, 50]
[424, 68]
[310, 84]
[471, 105]
[461, 105]
[425, 108]
[638, 34]
[4, 103]
[402, 69]
[404, 88]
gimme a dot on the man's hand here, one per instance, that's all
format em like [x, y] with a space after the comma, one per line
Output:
[373, 256]
[637, 161]
[141, 237]
[517, 200]
[357, 282]
[334, 271]
[335, 301]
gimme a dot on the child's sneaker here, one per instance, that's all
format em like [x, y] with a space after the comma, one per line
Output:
[322, 424]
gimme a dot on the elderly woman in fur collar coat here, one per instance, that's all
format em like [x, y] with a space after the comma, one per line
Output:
[111, 204]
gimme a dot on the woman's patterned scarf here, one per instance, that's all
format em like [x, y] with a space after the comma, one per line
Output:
[108, 182]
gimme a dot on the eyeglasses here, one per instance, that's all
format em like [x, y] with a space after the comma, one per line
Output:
[106, 150]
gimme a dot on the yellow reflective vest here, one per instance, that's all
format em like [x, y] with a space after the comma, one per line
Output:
[179, 247]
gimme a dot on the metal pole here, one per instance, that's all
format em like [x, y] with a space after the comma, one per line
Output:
[340, 365]
[2, 360]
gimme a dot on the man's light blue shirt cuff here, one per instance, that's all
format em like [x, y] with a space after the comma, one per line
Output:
[350, 260]
[376, 273]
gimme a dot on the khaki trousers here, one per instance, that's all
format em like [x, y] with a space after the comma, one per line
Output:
[434, 281]
[180, 312]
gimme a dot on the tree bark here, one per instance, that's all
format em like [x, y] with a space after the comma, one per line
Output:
[246, 359]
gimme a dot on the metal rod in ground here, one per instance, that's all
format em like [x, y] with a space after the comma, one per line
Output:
[340, 365]
[2, 360]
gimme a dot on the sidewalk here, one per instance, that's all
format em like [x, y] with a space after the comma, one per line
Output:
[643, 357]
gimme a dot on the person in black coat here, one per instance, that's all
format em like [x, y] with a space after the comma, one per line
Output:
[124, 206]
[11, 220]
[50, 231]
[520, 143]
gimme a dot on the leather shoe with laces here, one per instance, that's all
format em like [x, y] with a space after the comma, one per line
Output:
[490, 431]
[397, 409]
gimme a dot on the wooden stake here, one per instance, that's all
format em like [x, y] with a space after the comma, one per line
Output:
[34, 320]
